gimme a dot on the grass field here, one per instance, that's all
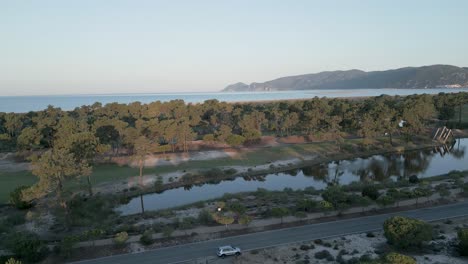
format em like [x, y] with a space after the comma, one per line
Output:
[10, 180]
[114, 173]
[464, 115]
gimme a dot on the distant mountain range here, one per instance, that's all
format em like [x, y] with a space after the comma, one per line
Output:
[434, 76]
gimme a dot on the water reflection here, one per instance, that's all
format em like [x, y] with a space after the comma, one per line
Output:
[423, 163]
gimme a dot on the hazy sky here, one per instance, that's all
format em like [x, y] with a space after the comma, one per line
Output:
[90, 46]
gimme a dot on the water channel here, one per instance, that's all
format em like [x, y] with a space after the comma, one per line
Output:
[423, 163]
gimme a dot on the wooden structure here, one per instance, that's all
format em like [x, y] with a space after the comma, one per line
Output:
[443, 134]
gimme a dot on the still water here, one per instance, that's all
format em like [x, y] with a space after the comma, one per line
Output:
[423, 163]
[21, 104]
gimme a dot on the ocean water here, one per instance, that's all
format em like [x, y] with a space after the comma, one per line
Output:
[20, 104]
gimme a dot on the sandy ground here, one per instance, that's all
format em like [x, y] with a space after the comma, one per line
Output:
[358, 245]
[8, 164]
[39, 223]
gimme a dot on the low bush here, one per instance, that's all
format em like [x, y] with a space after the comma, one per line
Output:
[16, 218]
[306, 205]
[465, 189]
[300, 214]
[237, 208]
[370, 191]
[306, 247]
[336, 196]
[403, 232]
[213, 174]
[230, 171]
[463, 241]
[395, 258]
[385, 200]
[235, 140]
[26, 246]
[13, 261]
[121, 238]
[187, 223]
[413, 179]
[146, 239]
[16, 198]
[324, 254]
[167, 231]
[66, 245]
[90, 212]
[205, 218]
[244, 220]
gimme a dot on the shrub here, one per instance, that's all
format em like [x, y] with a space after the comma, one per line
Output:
[404, 232]
[13, 261]
[395, 258]
[213, 174]
[230, 171]
[235, 140]
[300, 214]
[159, 184]
[324, 254]
[465, 189]
[27, 246]
[16, 198]
[237, 208]
[279, 212]
[385, 200]
[93, 234]
[306, 247]
[422, 192]
[306, 205]
[245, 220]
[324, 205]
[335, 195]
[205, 218]
[66, 245]
[370, 191]
[147, 239]
[463, 241]
[209, 138]
[413, 179]
[121, 238]
[187, 223]
[16, 218]
[167, 231]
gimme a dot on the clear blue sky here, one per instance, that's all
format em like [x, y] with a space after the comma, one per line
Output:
[91, 46]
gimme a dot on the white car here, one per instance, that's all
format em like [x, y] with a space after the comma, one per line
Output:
[228, 251]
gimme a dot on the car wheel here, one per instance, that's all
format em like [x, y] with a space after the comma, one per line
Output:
[238, 253]
[223, 256]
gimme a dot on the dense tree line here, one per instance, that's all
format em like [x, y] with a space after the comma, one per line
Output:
[171, 126]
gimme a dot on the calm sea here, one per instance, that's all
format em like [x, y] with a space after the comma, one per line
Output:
[20, 104]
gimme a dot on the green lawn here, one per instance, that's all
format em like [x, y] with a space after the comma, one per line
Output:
[464, 115]
[10, 180]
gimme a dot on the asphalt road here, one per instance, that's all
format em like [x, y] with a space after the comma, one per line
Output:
[200, 250]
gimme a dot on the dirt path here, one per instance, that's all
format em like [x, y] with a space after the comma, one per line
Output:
[8, 164]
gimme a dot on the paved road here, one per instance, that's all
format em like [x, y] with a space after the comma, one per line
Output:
[191, 252]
